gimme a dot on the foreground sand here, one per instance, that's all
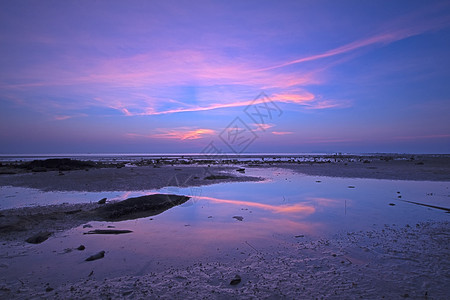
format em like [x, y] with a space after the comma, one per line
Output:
[388, 262]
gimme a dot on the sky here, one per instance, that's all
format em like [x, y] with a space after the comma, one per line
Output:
[224, 76]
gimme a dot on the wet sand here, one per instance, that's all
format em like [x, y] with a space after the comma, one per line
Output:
[389, 262]
[145, 177]
[123, 179]
[423, 168]
[407, 265]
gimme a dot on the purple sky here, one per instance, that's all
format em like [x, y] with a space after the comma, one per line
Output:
[174, 76]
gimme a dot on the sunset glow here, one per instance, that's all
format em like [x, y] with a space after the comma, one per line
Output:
[165, 77]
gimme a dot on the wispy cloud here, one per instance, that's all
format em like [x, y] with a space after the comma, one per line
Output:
[66, 117]
[282, 132]
[324, 104]
[403, 31]
[303, 98]
[141, 74]
[422, 137]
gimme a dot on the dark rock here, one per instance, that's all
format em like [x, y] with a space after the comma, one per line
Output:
[102, 201]
[108, 231]
[236, 280]
[351, 187]
[72, 212]
[392, 204]
[49, 289]
[81, 247]
[239, 218]
[39, 169]
[216, 177]
[299, 236]
[139, 207]
[60, 164]
[241, 170]
[99, 255]
[39, 237]
[7, 172]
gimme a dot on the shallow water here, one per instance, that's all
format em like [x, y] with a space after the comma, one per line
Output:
[286, 208]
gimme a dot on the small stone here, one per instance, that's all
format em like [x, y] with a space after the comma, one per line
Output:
[99, 255]
[102, 201]
[81, 247]
[39, 237]
[236, 280]
[392, 204]
[49, 289]
[239, 218]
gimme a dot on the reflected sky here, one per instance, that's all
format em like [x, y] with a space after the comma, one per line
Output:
[286, 208]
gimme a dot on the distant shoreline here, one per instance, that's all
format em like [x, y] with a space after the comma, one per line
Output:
[134, 156]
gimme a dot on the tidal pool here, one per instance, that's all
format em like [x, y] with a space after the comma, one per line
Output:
[220, 222]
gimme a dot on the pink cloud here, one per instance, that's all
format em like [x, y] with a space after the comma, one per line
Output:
[60, 117]
[178, 134]
[300, 98]
[324, 104]
[281, 132]
[201, 67]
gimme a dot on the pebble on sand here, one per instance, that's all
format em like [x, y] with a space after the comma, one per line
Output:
[236, 280]
[102, 201]
[99, 255]
[39, 237]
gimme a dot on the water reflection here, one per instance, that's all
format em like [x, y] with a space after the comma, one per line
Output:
[287, 208]
[281, 208]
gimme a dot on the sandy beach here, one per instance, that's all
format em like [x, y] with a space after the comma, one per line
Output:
[225, 149]
[388, 261]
